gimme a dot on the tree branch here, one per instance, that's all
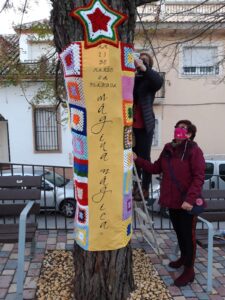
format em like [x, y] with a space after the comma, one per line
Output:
[142, 2]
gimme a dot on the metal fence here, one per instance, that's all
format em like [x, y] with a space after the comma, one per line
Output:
[58, 201]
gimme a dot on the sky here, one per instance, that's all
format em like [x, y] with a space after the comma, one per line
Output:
[37, 10]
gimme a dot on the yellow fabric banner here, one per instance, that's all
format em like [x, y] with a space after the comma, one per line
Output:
[99, 88]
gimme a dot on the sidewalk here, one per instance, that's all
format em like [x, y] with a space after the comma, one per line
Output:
[53, 239]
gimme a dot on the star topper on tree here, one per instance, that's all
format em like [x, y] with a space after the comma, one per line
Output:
[100, 23]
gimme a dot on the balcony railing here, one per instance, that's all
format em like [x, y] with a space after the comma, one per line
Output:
[181, 12]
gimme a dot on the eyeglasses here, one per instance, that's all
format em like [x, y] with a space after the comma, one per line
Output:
[182, 126]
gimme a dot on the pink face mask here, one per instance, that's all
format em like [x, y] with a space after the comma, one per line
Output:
[180, 133]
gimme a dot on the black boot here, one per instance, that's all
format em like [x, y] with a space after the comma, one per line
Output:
[177, 263]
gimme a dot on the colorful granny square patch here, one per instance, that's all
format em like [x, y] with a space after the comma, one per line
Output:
[71, 59]
[128, 160]
[78, 119]
[127, 88]
[79, 178]
[74, 88]
[127, 57]
[81, 192]
[80, 149]
[73, 91]
[80, 167]
[81, 236]
[128, 137]
[81, 216]
[100, 23]
[128, 113]
[127, 206]
[127, 182]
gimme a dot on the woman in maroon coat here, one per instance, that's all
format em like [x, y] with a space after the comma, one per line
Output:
[183, 171]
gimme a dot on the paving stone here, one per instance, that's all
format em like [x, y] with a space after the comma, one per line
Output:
[70, 236]
[39, 250]
[60, 246]
[216, 273]
[8, 272]
[10, 297]
[38, 257]
[41, 245]
[221, 279]
[1, 268]
[222, 271]
[5, 281]
[11, 264]
[163, 271]
[3, 293]
[202, 296]
[15, 277]
[30, 283]
[13, 256]
[216, 297]
[174, 291]
[71, 242]
[188, 293]
[12, 288]
[50, 247]
[199, 266]
[155, 260]
[221, 290]
[51, 240]
[216, 283]
[196, 287]
[200, 279]
[7, 247]
[35, 265]
[52, 235]
[61, 239]
[4, 253]
[69, 247]
[42, 238]
[167, 280]
[3, 260]
[34, 272]
[29, 294]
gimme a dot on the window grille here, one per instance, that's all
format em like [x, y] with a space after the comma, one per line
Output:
[200, 61]
[46, 129]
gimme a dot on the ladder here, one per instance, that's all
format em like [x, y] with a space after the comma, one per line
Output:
[145, 221]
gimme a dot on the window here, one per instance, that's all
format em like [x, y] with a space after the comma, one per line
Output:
[200, 61]
[46, 129]
[222, 171]
[209, 170]
[155, 140]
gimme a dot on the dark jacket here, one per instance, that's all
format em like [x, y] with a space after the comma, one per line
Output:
[146, 85]
[188, 166]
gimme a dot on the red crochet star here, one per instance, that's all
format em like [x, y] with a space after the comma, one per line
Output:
[99, 21]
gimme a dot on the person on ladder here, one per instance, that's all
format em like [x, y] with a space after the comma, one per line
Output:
[147, 83]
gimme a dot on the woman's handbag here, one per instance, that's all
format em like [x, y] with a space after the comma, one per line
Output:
[199, 205]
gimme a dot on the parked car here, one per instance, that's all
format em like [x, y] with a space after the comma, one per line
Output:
[215, 174]
[57, 192]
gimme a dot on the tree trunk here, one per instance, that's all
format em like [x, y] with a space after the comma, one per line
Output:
[107, 274]
[103, 275]
[66, 29]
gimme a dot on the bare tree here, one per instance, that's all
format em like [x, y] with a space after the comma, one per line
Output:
[107, 274]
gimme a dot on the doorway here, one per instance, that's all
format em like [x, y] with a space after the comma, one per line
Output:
[4, 140]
